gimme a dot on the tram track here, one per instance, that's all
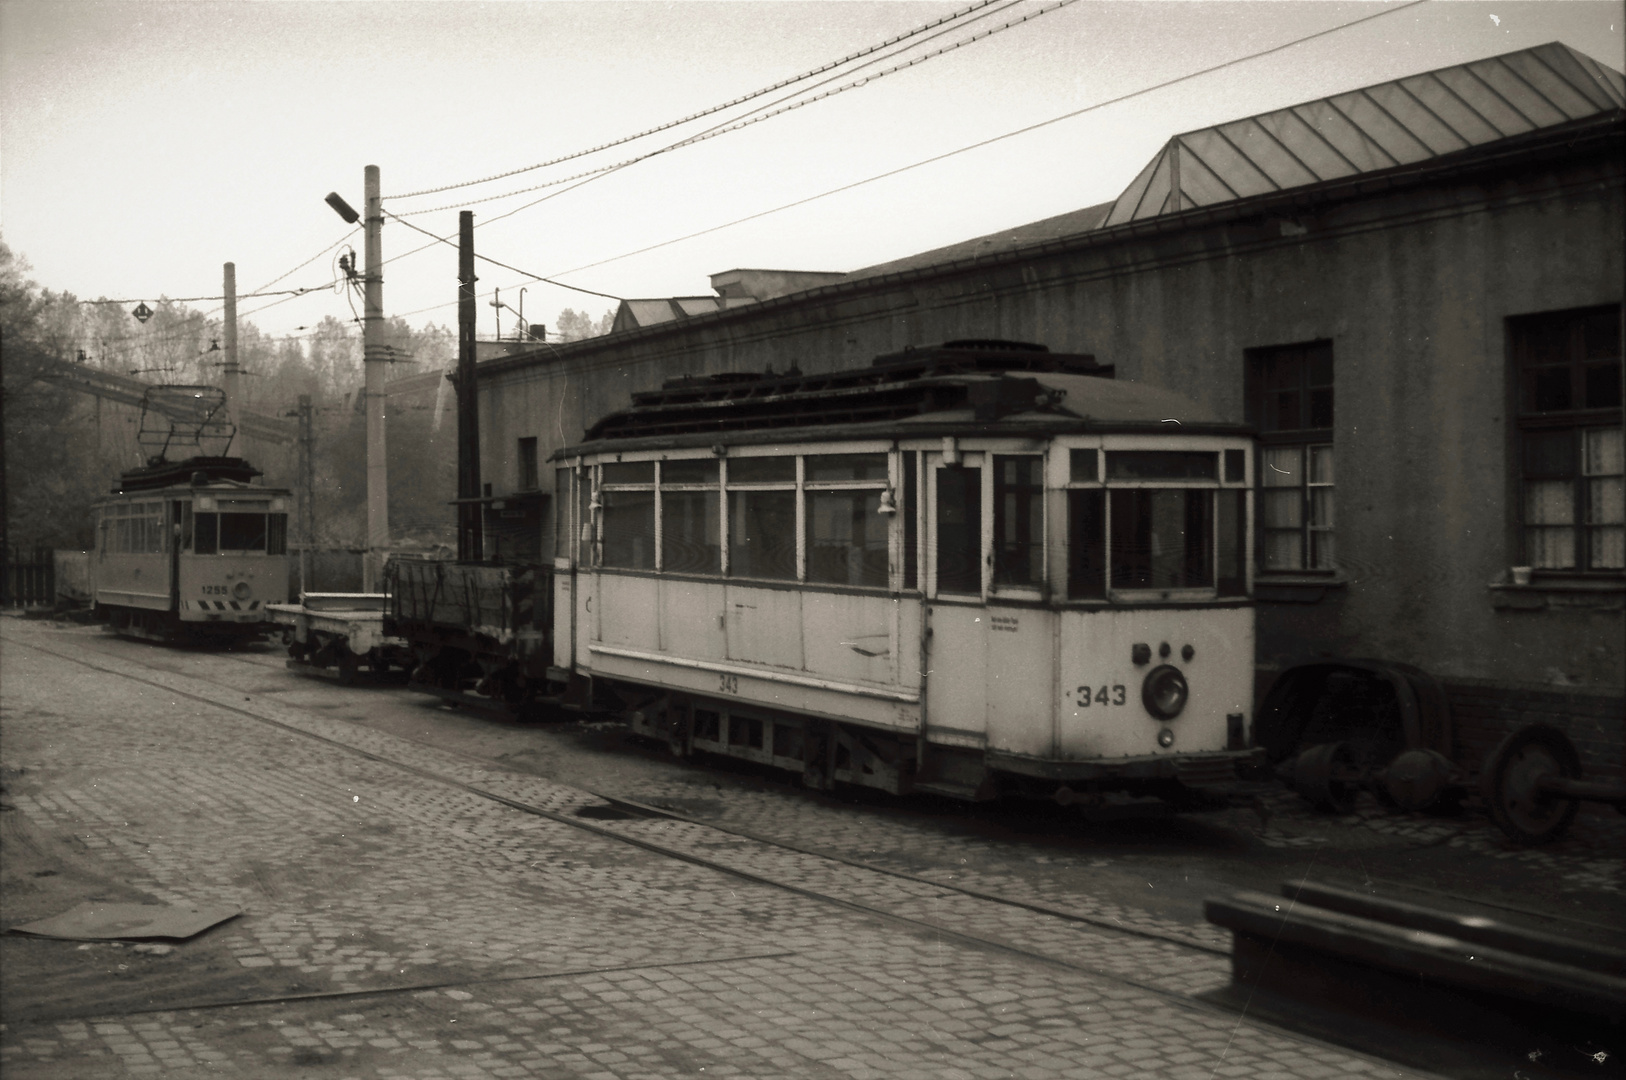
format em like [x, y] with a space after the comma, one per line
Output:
[934, 929]
[647, 809]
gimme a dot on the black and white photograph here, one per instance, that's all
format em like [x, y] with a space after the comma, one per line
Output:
[828, 539]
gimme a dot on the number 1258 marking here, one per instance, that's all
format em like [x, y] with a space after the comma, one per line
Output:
[1118, 696]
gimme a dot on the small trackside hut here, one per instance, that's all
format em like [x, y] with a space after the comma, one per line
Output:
[975, 569]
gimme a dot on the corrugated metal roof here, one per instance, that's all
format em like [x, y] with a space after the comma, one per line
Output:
[1378, 127]
[1034, 232]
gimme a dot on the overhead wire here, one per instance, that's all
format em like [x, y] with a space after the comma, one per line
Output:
[198, 299]
[505, 266]
[995, 139]
[588, 177]
[713, 109]
[747, 120]
[551, 279]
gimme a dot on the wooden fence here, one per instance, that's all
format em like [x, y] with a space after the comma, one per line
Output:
[29, 578]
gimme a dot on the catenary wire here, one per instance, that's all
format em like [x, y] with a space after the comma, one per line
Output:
[505, 266]
[197, 299]
[872, 179]
[711, 111]
[994, 139]
[748, 120]
[940, 157]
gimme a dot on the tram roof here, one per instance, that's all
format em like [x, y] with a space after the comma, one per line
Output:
[1024, 391]
[214, 473]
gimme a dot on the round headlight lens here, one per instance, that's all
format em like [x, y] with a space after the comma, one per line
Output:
[1164, 692]
[241, 590]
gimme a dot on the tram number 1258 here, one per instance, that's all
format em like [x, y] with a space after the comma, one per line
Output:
[1117, 697]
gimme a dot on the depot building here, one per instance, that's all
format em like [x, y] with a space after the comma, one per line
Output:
[1411, 290]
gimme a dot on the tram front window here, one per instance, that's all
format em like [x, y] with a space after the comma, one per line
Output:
[1162, 538]
[242, 532]
[206, 534]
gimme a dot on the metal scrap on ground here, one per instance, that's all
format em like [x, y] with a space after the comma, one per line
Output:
[133, 922]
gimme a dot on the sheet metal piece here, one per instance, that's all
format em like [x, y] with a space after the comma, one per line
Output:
[130, 922]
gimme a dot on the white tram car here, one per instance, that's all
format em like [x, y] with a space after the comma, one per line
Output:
[969, 570]
[194, 548]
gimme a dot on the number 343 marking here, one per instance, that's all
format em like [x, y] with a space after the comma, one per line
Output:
[1101, 697]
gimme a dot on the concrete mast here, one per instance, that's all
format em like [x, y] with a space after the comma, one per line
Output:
[469, 539]
[231, 382]
[374, 360]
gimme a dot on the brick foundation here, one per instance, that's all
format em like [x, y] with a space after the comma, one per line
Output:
[1483, 712]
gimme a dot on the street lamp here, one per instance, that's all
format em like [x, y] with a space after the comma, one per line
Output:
[373, 360]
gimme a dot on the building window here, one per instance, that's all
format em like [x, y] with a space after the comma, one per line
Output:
[1289, 398]
[527, 465]
[1567, 371]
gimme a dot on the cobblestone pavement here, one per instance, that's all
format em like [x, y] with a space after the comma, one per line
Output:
[1069, 879]
[474, 939]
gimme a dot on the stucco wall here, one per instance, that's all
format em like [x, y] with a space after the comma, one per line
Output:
[1412, 287]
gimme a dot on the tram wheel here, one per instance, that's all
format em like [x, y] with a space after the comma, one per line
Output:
[1511, 784]
[349, 667]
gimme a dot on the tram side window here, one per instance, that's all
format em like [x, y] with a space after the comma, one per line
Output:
[561, 513]
[628, 499]
[206, 534]
[762, 518]
[1018, 520]
[134, 529]
[276, 534]
[846, 531]
[959, 530]
[157, 529]
[584, 516]
[1161, 538]
[689, 525]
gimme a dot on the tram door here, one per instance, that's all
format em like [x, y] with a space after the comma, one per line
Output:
[956, 685]
[992, 636]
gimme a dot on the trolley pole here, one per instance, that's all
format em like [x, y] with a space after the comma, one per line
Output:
[469, 539]
[231, 383]
[373, 361]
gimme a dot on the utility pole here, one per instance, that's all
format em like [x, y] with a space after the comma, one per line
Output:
[469, 539]
[374, 360]
[305, 493]
[231, 383]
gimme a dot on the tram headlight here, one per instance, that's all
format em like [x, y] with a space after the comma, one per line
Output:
[241, 590]
[1165, 692]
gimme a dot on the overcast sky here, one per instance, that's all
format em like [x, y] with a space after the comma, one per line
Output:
[143, 145]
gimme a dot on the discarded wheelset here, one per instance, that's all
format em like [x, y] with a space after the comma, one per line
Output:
[1532, 785]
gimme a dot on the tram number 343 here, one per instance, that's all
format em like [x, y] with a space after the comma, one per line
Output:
[1118, 696]
[728, 684]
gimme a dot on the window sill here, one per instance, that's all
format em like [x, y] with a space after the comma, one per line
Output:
[1597, 594]
[1296, 588]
